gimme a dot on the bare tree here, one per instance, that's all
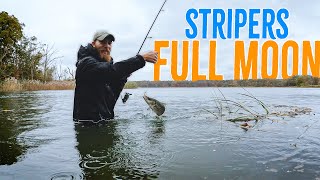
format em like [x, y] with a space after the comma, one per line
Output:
[71, 73]
[48, 58]
[59, 71]
[65, 74]
[34, 58]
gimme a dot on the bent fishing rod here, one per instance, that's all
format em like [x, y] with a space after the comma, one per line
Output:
[152, 26]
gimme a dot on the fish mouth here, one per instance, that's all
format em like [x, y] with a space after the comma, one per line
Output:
[145, 97]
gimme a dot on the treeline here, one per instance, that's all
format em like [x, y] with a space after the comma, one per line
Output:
[22, 57]
[296, 81]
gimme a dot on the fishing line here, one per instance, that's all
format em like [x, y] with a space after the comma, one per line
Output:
[151, 26]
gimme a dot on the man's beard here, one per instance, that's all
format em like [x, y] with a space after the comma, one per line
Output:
[103, 54]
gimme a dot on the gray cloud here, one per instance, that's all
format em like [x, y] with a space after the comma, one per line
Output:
[69, 24]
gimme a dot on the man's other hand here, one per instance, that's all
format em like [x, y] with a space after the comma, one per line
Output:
[151, 56]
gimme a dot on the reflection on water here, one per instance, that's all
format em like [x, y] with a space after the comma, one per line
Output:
[18, 114]
[157, 130]
[36, 136]
[96, 148]
[104, 153]
[38, 139]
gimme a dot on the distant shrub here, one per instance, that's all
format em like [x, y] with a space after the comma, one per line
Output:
[131, 85]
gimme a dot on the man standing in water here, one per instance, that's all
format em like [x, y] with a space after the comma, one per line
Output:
[99, 81]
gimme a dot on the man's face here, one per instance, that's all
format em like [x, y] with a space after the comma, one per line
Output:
[104, 47]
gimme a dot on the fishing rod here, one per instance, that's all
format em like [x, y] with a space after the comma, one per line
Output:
[151, 26]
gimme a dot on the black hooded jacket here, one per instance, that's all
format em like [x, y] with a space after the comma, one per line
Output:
[99, 84]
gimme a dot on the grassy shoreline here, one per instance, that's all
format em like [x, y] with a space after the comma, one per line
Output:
[13, 85]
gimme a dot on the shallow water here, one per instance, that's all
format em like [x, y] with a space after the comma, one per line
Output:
[38, 139]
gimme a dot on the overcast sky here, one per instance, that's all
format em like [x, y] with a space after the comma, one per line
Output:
[69, 24]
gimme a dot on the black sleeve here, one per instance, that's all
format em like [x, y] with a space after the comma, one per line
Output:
[117, 87]
[92, 69]
[126, 67]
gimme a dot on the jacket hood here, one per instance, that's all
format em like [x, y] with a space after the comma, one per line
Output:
[89, 50]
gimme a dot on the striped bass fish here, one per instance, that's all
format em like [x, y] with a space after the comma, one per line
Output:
[155, 105]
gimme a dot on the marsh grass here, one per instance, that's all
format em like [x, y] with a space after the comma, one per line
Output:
[10, 85]
[248, 108]
[13, 85]
[240, 110]
[52, 85]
